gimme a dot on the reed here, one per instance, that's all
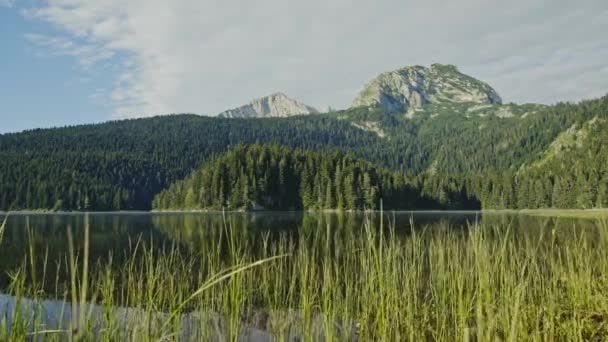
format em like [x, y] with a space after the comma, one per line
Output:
[482, 283]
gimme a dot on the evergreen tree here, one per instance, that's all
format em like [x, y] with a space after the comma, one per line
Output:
[190, 201]
[310, 183]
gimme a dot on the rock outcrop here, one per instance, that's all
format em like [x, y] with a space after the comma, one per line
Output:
[275, 105]
[411, 88]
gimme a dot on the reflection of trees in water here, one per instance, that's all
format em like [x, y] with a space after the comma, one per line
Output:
[328, 232]
[196, 230]
[532, 226]
[222, 239]
[114, 235]
[202, 231]
[216, 232]
[539, 234]
[332, 234]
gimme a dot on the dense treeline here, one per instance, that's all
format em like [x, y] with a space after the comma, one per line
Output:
[575, 177]
[95, 181]
[124, 164]
[456, 144]
[279, 178]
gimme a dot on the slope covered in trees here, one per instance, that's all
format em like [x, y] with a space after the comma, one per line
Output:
[122, 165]
[279, 178]
[454, 141]
[503, 161]
[573, 173]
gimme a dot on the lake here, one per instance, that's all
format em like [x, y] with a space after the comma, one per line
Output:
[394, 273]
[115, 235]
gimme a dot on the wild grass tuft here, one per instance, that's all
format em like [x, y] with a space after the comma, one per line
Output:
[486, 282]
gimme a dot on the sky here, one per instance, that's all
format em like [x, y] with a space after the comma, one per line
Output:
[66, 62]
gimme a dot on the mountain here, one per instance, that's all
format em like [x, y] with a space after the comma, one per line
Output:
[274, 105]
[411, 88]
[452, 142]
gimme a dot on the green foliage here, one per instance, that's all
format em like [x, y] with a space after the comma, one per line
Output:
[122, 165]
[502, 161]
[343, 279]
[279, 178]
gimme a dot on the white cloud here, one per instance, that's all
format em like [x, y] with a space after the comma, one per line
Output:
[208, 55]
[86, 54]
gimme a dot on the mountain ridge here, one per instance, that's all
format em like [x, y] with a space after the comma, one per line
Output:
[407, 90]
[412, 87]
[454, 135]
[272, 106]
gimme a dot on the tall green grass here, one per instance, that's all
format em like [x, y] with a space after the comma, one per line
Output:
[487, 282]
[3, 227]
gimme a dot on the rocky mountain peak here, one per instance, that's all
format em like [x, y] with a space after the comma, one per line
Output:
[412, 87]
[274, 105]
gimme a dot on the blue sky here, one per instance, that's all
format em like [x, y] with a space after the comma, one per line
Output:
[67, 62]
[38, 90]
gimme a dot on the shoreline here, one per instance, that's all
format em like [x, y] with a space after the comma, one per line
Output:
[549, 211]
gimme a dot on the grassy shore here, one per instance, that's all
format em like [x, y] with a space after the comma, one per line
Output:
[482, 283]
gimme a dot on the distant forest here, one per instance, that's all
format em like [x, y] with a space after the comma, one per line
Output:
[555, 157]
[278, 178]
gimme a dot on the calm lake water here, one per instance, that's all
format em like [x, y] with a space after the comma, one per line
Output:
[114, 235]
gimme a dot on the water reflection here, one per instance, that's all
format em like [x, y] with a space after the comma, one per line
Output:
[43, 237]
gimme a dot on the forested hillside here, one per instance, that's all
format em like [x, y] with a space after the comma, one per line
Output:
[122, 165]
[572, 173]
[279, 178]
[455, 140]
[507, 156]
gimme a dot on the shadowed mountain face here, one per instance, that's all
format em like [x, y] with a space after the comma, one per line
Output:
[410, 88]
[275, 105]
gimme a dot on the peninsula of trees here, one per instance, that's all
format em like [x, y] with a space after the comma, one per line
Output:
[273, 177]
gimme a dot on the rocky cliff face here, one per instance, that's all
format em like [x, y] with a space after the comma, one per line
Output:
[407, 89]
[275, 105]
